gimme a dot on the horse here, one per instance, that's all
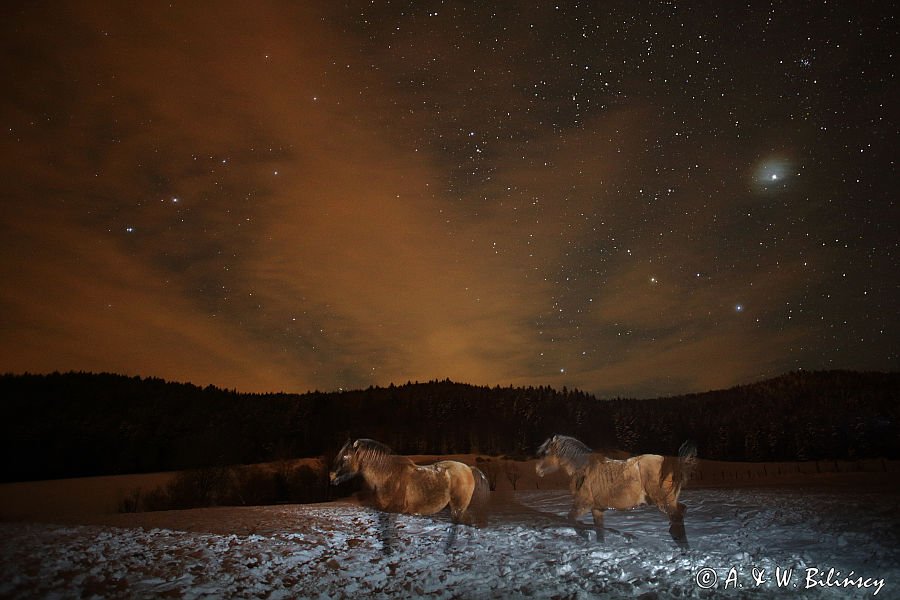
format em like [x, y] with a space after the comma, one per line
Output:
[401, 486]
[598, 483]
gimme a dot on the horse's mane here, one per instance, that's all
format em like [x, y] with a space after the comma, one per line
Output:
[371, 447]
[568, 448]
[375, 455]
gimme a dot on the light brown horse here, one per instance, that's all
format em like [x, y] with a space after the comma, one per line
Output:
[401, 486]
[598, 483]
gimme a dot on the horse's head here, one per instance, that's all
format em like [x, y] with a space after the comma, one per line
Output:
[562, 452]
[346, 463]
[362, 454]
[548, 457]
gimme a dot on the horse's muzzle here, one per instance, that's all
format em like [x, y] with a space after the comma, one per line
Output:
[338, 479]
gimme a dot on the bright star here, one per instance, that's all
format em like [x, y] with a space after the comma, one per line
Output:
[771, 174]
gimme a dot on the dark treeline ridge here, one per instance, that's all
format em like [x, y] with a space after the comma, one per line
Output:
[80, 424]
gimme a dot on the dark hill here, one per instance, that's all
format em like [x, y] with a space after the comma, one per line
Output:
[77, 424]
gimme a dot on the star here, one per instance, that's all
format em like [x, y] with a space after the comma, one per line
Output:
[771, 174]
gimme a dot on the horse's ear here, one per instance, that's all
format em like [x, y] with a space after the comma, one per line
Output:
[555, 438]
[356, 444]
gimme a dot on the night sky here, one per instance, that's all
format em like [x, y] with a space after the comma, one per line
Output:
[630, 198]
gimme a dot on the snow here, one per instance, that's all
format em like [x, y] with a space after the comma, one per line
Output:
[335, 550]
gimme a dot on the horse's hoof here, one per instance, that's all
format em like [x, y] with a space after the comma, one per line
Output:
[676, 530]
[591, 535]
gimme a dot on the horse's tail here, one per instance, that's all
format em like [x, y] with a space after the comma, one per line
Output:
[687, 460]
[480, 496]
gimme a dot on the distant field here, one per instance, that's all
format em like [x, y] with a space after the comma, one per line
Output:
[69, 499]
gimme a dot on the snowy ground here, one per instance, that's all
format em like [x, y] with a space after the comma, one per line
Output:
[335, 550]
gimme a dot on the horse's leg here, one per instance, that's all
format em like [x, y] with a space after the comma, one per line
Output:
[458, 512]
[460, 515]
[459, 503]
[451, 537]
[666, 498]
[460, 492]
[676, 524]
[579, 507]
[576, 512]
[386, 525]
[676, 530]
[597, 513]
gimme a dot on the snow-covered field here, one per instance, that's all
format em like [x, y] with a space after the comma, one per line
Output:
[741, 541]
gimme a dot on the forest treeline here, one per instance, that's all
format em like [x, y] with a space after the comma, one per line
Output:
[80, 424]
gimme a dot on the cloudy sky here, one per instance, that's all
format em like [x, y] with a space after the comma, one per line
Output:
[631, 198]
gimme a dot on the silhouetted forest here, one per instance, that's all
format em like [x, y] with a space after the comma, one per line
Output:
[79, 424]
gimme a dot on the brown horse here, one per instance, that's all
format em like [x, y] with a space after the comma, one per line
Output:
[598, 483]
[401, 486]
